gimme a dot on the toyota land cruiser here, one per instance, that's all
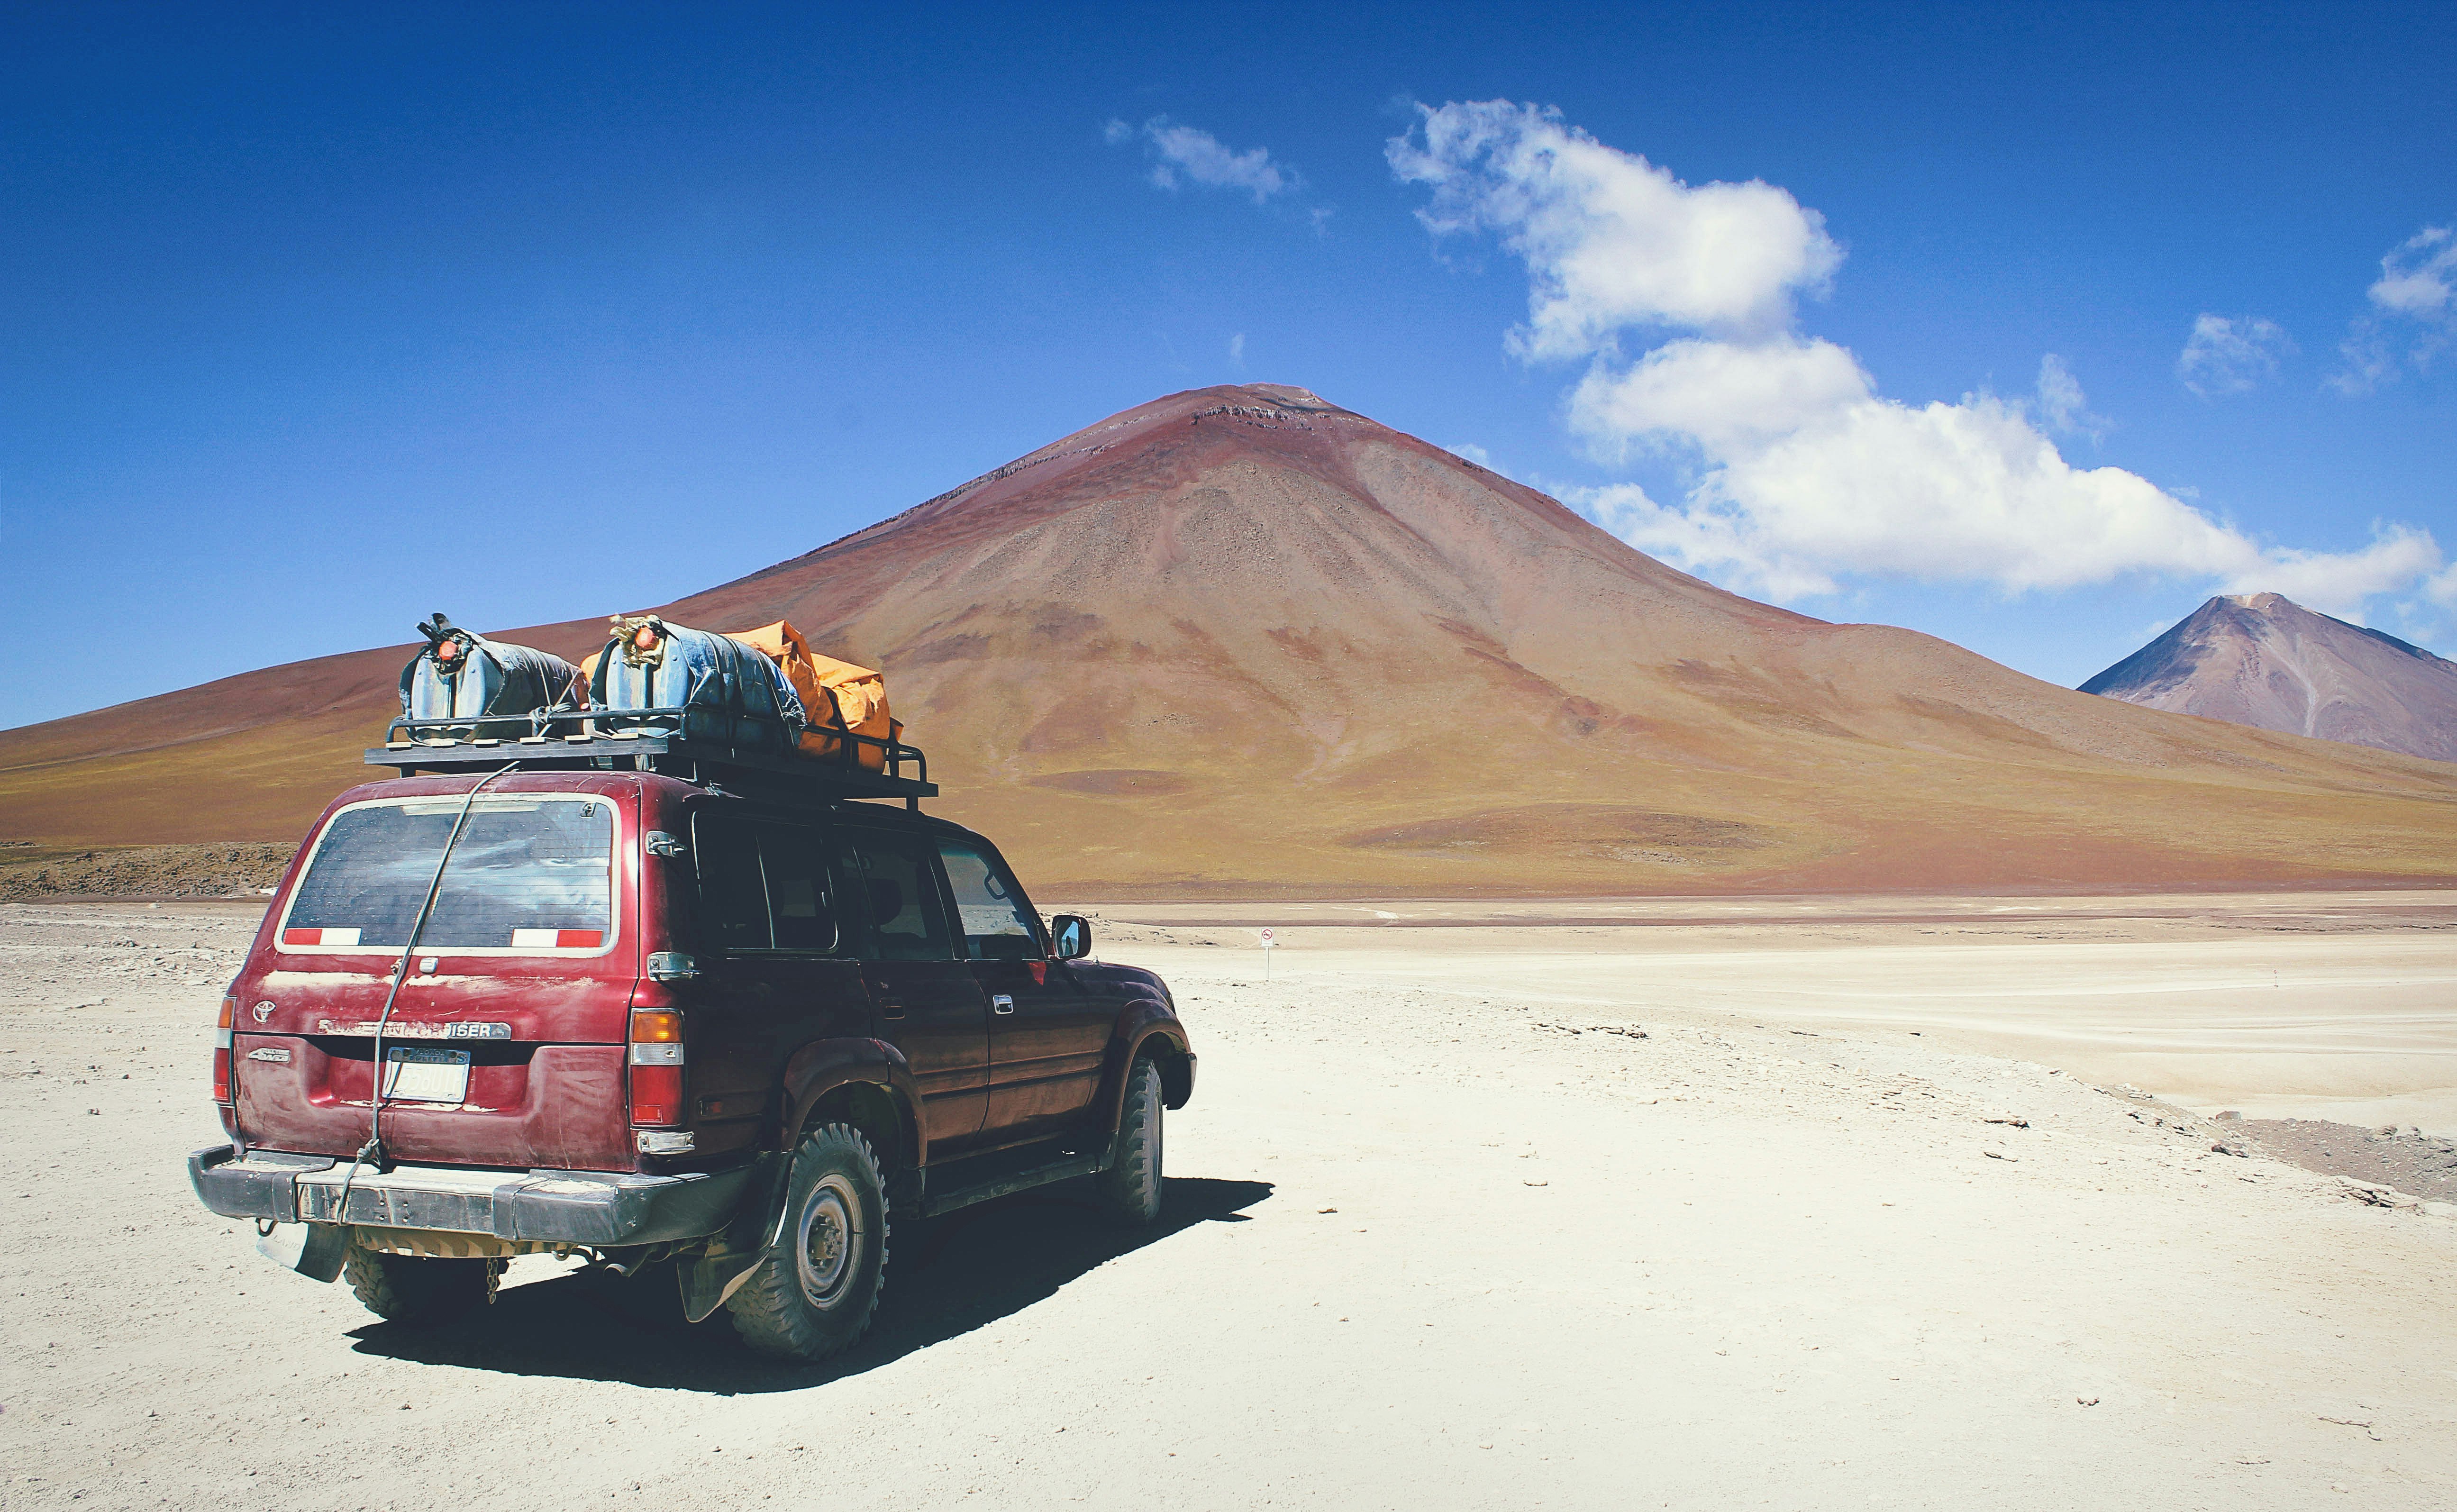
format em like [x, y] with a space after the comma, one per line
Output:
[639, 1008]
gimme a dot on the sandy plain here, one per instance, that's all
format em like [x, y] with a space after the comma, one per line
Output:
[1653, 1205]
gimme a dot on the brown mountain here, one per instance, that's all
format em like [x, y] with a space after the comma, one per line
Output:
[2262, 659]
[1241, 641]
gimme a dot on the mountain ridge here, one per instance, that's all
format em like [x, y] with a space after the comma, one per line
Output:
[1240, 641]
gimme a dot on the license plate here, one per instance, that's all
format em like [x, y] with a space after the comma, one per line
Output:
[416, 1075]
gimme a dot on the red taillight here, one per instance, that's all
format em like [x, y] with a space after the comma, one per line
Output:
[657, 1069]
[222, 1049]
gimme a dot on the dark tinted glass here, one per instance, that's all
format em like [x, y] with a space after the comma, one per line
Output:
[989, 913]
[800, 905]
[527, 873]
[732, 903]
[900, 885]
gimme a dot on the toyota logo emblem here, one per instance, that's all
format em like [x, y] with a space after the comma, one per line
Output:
[263, 1011]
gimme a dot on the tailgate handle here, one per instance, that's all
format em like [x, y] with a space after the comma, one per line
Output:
[1001, 1003]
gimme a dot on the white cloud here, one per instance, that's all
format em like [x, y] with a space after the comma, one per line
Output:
[2060, 396]
[1968, 492]
[2413, 312]
[1610, 240]
[1719, 396]
[1803, 473]
[2062, 403]
[2419, 278]
[2230, 354]
[1188, 153]
[2339, 582]
[1237, 348]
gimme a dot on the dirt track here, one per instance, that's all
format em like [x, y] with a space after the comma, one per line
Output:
[1431, 1241]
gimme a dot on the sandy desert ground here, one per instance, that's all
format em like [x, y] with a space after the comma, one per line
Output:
[1723, 1204]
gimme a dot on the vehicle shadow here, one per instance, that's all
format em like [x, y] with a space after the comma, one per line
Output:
[946, 1276]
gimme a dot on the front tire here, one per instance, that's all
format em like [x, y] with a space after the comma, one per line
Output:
[1130, 1189]
[416, 1290]
[812, 1294]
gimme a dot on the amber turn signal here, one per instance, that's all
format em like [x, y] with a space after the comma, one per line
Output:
[222, 1049]
[657, 1069]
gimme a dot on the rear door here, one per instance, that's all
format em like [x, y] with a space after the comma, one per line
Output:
[928, 1003]
[505, 1042]
[1047, 1046]
[779, 969]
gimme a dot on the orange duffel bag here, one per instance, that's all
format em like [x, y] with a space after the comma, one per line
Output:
[836, 695]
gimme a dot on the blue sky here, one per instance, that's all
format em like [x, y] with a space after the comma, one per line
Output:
[318, 319]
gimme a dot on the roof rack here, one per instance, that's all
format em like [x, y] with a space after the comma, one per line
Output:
[655, 740]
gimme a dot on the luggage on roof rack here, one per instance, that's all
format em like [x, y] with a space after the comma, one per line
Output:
[693, 704]
[838, 698]
[463, 686]
[653, 676]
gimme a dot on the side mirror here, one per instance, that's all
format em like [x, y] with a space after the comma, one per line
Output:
[672, 965]
[1073, 936]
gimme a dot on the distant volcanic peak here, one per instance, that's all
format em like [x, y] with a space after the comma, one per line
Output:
[1297, 472]
[1266, 405]
[2261, 659]
[2282, 614]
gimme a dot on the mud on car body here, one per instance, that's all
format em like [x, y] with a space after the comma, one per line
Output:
[652, 1018]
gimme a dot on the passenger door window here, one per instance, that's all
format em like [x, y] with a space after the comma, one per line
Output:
[990, 912]
[908, 919]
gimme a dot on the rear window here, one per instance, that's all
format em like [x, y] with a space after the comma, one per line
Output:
[532, 875]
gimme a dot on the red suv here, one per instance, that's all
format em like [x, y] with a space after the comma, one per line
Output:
[732, 1018]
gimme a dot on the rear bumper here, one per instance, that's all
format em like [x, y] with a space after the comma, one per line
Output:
[571, 1207]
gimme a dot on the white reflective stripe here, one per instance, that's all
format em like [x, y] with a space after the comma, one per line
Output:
[656, 1055]
[221, 1039]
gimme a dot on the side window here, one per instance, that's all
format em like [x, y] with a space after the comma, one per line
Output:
[801, 908]
[990, 911]
[899, 877]
[763, 886]
[733, 905]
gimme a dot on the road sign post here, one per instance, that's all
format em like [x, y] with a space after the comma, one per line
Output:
[1268, 943]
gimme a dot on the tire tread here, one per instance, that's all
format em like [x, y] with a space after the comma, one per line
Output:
[768, 1309]
[1130, 1189]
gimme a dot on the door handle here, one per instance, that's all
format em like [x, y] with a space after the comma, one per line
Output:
[889, 1008]
[1001, 1003]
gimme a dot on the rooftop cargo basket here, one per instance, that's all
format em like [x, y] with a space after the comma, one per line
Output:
[729, 711]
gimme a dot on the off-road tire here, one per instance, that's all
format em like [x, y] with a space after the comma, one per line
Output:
[416, 1290]
[813, 1293]
[1130, 1189]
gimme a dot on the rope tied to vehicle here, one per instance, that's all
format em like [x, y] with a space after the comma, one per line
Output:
[372, 1151]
